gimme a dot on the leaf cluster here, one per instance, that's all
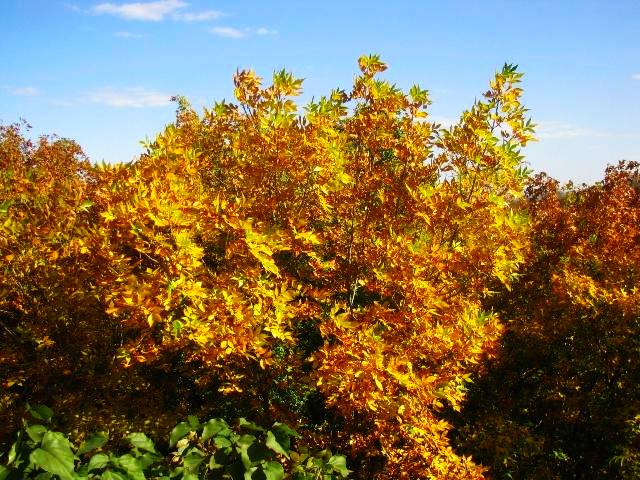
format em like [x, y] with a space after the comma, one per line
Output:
[210, 450]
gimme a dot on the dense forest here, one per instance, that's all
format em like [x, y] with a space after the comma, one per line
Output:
[341, 290]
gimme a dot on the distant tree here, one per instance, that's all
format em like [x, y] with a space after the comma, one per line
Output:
[51, 324]
[562, 400]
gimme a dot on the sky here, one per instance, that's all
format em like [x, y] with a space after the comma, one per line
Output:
[102, 72]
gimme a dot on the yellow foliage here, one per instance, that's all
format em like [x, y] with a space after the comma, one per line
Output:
[360, 214]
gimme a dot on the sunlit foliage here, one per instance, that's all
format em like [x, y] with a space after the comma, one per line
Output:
[325, 265]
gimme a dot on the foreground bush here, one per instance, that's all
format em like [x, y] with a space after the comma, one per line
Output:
[325, 269]
[210, 450]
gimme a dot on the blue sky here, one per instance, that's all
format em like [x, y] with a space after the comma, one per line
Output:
[101, 72]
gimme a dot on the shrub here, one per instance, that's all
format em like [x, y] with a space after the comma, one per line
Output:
[210, 450]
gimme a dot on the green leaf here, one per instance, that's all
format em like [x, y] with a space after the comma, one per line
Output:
[4, 472]
[278, 442]
[44, 476]
[256, 453]
[36, 432]
[248, 454]
[245, 440]
[192, 460]
[215, 426]
[193, 422]
[141, 441]
[41, 412]
[285, 429]
[96, 440]
[54, 455]
[178, 432]
[16, 448]
[148, 459]
[98, 461]
[339, 464]
[218, 460]
[273, 471]
[82, 472]
[222, 442]
[111, 475]
[244, 423]
[132, 466]
[59, 446]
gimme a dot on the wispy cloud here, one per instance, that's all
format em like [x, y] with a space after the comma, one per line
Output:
[24, 91]
[636, 76]
[266, 31]
[229, 32]
[565, 131]
[237, 33]
[145, 11]
[198, 16]
[128, 97]
[126, 34]
[155, 11]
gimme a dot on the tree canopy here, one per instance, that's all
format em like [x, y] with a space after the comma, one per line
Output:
[341, 267]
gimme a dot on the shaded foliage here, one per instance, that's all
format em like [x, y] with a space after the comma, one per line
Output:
[562, 399]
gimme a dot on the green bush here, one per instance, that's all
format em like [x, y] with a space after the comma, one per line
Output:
[198, 450]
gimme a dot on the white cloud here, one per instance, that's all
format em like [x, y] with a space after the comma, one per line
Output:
[198, 16]
[636, 76]
[266, 31]
[237, 33]
[128, 97]
[24, 91]
[564, 131]
[125, 34]
[155, 11]
[229, 32]
[145, 11]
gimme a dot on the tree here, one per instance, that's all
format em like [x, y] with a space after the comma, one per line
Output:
[325, 268]
[562, 399]
[51, 325]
